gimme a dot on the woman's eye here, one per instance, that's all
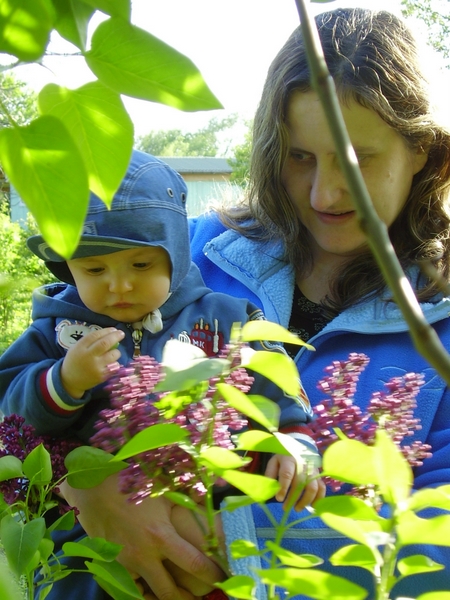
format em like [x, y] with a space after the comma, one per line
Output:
[301, 156]
[141, 265]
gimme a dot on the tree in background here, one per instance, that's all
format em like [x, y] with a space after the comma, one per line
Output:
[240, 163]
[436, 16]
[20, 272]
[173, 142]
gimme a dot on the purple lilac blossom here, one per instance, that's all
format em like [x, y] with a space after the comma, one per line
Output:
[392, 409]
[134, 406]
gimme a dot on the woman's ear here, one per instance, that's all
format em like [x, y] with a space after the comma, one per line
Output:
[420, 158]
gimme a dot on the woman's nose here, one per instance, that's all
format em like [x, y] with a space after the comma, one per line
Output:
[327, 187]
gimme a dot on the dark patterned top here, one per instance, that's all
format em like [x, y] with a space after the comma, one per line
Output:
[307, 319]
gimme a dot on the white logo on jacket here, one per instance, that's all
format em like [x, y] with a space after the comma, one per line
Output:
[68, 333]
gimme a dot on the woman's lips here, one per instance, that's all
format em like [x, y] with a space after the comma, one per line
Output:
[334, 218]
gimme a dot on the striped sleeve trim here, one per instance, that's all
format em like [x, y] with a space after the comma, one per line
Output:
[51, 396]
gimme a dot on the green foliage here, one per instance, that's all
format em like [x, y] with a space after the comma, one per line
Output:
[20, 272]
[174, 142]
[84, 137]
[436, 16]
[19, 101]
[241, 160]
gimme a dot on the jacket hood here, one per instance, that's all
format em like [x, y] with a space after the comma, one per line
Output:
[148, 209]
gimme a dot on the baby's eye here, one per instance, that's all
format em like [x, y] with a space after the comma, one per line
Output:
[142, 265]
[95, 270]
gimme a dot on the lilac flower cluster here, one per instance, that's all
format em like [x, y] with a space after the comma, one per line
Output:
[134, 406]
[18, 439]
[391, 409]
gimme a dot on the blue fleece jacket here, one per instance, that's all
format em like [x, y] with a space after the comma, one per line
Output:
[376, 328]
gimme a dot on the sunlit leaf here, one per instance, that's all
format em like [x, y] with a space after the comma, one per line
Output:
[10, 468]
[131, 61]
[291, 559]
[113, 577]
[258, 408]
[216, 458]
[417, 563]
[183, 500]
[412, 529]
[115, 8]
[65, 522]
[277, 368]
[258, 487]
[88, 466]
[100, 126]
[72, 19]
[243, 548]
[434, 596]
[363, 471]
[239, 586]
[92, 548]
[430, 498]
[254, 331]
[25, 27]
[313, 584]
[9, 587]
[37, 466]
[21, 541]
[356, 555]
[259, 441]
[395, 477]
[46, 168]
[200, 370]
[155, 436]
[231, 503]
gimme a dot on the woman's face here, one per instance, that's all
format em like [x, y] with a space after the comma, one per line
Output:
[315, 184]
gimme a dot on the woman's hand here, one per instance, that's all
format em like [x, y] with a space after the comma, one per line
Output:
[148, 538]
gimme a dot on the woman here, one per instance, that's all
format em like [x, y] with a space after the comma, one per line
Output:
[296, 248]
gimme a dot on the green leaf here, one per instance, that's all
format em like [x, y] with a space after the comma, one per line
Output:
[395, 477]
[239, 586]
[9, 587]
[100, 126]
[88, 466]
[412, 529]
[258, 408]
[155, 436]
[243, 548]
[290, 559]
[277, 367]
[313, 583]
[231, 503]
[217, 458]
[94, 548]
[363, 471]
[258, 487]
[200, 370]
[45, 166]
[416, 564]
[354, 518]
[21, 542]
[115, 579]
[254, 331]
[45, 549]
[131, 61]
[65, 522]
[25, 28]
[183, 500]
[430, 498]
[114, 8]
[355, 555]
[10, 468]
[259, 441]
[37, 466]
[72, 20]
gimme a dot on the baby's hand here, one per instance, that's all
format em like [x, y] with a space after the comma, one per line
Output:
[291, 476]
[85, 364]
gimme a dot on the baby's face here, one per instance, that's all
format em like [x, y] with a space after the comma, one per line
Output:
[125, 285]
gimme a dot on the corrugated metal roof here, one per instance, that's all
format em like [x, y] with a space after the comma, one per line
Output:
[197, 164]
